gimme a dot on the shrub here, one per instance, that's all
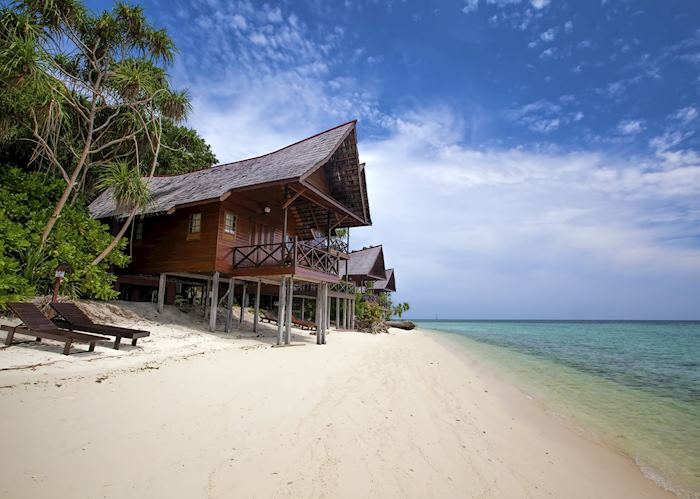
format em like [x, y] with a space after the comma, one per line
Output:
[27, 268]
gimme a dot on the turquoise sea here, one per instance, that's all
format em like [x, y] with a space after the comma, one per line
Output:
[633, 384]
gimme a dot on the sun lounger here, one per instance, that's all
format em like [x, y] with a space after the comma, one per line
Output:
[303, 324]
[71, 317]
[34, 323]
[268, 316]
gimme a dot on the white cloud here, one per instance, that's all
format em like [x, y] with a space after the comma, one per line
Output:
[548, 36]
[540, 4]
[470, 6]
[545, 126]
[548, 53]
[686, 115]
[630, 127]
[568, 26]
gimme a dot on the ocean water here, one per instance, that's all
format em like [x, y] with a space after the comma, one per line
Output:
[634, 385]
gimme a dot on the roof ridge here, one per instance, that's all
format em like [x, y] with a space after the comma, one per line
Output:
[287, 146]
[367, 248]
[252, 158]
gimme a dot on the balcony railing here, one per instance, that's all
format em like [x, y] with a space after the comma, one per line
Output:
[288, 255]
[338, 244]
[343, 287]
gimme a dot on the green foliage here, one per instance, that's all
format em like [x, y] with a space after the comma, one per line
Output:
[368, 311]
[26, 200]
[129, 189]
[400, 308]
[182, 151]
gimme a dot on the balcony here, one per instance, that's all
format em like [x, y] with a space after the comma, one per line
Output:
[300, 258]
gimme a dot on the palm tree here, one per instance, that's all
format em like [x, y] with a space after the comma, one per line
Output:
[130, 193]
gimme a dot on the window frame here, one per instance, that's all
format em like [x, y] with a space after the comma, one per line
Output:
[190, 224]
[138, 232]
[227, 232]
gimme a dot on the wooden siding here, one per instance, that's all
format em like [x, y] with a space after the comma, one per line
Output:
[165, 246]
[248, 207]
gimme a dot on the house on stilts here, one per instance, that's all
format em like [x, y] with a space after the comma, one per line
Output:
[260, 229]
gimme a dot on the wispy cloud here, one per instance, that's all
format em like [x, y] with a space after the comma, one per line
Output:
[630, 127]
[686, 115]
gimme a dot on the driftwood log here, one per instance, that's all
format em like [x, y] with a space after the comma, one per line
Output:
[407, 325]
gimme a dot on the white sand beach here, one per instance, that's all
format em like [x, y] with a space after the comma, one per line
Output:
[192, 414]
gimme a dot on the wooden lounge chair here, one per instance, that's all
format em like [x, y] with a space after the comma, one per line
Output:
[34, 323]
[268, 316]
[71, 317]
[303, 324]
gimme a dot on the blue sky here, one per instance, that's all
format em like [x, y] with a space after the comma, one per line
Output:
[526, 158]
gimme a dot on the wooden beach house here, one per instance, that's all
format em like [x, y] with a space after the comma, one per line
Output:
[265, 223]
[386, 285]
[365, 265]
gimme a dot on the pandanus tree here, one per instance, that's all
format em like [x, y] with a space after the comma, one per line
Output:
[94, 93]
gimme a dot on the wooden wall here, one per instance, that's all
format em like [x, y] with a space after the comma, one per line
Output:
[165, 246]
[248, 207]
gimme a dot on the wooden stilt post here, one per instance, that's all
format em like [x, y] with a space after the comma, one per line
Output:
[343, 321]
[352, 314]
[319, 312]
[229, 305]
[280, 309]
[214, 302]
[288, 318]
[244, 302]
[337, 313]
[303, 308]
[205, 300]
[256, 317]
[328, 315]
[161, 292]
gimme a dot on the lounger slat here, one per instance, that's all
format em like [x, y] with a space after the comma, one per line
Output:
[75, 318]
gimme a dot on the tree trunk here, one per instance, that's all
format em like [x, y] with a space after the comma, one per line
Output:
[78, 167]
[116, 239]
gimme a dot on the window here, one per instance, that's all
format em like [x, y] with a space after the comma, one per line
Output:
[229, 223]
[138, 231]
[195, 223]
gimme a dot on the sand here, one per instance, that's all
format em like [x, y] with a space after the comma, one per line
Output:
[190, 414]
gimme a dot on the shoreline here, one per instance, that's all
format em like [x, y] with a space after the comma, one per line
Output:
[394, 415]
[570, 411]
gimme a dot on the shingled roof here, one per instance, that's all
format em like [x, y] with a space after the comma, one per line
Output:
[388, 284]
[367, 264]
[291, 163]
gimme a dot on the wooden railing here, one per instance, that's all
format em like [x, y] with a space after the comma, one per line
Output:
[263, 255]
[343, 287]
[295, 253]
[315, 258]
[338, 244]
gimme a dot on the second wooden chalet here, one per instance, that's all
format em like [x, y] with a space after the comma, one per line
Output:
[266, 221]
